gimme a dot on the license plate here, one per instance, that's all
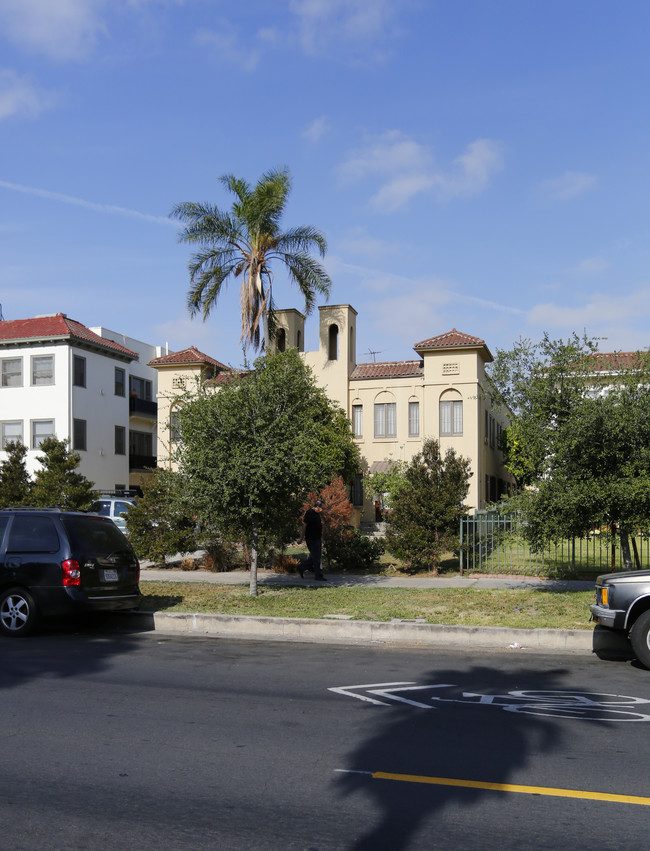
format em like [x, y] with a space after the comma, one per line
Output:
[110, 576]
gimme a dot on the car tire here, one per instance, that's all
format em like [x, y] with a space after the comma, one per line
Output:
[640, 639]
[18, 614]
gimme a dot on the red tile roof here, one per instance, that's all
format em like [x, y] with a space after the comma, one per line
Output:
[450, 340]
[391, 369]
[191, 355]
[57, 327]
[615, 361]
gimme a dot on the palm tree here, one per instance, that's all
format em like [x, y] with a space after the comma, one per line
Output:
[243, 242]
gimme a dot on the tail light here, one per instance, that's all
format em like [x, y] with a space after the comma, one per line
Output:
[71, 572]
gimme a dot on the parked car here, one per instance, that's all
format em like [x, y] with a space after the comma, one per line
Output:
[55, 562]
[623, 604]
[114, 507]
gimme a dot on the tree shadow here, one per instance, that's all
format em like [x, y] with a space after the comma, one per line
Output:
[463, 738]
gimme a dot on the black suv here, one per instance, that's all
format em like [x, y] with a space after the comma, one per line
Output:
[623, 603]
[55, 562]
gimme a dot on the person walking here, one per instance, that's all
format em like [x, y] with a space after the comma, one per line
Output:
[312, 534]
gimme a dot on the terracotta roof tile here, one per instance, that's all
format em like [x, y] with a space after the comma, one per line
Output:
[391, 369]
[451, 339]
[56, 327]
[615, 361]
[191, 355]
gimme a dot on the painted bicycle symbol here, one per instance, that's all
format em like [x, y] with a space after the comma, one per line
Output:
[581, 705]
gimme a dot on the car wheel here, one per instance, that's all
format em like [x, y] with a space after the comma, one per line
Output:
[640, 638]
[18, 613]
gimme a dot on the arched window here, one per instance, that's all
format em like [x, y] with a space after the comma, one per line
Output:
[451, 414]
[299, 341]
[385, 416]
[352, 345]
[333, 343]
[282, 340]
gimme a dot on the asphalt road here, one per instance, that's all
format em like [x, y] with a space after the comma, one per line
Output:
[147, 741]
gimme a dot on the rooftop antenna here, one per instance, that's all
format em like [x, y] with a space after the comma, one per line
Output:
[373, 355]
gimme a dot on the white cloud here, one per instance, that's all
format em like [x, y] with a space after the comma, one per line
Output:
[18, 96]
[60, 29]
[318, 128]
[323, 23]
[570, 185]
[88, 205]
[592, 266]
[408, 169]
[360, 243]
[598, 310]
[230, 47]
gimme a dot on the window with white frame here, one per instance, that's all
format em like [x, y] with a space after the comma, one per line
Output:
[79, 371]
[79, 435]
[357, 420]
[12, 372]
[12, 432]
[120, 381]
[42, 370]
[414, 419]
[385, 419]
[41, 430]
[451, 417]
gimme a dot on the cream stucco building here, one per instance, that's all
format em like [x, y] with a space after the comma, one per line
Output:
[393, 407]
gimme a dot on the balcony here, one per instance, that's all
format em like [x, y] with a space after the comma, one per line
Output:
[142, 408]
[141, 462]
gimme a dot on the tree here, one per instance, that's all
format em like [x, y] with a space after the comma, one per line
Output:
[161, 523]
[580, 439]
[251, 451]
[15, 484]
[57, 482]
[244, 242]
[424, 522]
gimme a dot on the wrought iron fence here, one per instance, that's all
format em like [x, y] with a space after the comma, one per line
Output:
[493, 543]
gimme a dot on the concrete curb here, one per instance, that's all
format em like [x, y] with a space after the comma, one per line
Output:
[332, 631]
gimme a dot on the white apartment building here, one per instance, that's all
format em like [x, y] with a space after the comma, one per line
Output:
[90, 386]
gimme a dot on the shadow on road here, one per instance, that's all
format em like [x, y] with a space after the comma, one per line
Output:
[477, 731]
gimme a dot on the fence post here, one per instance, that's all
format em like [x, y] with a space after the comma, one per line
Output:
[462, 520]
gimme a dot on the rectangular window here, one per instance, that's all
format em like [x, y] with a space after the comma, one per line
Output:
[140, 387]
[120, 440]
[41, 430]
[12, 432]
[414, 419]
[79, 371]
[79, 435]
[120, 381]
[42, 370]
[140, 443]
[12, 372]
[451, 418]
[357, 420]
[386, 419]
[492, 432]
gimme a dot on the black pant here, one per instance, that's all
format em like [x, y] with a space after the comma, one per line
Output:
[315, 547]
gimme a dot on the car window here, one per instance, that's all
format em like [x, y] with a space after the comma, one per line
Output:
[102, 507]
[121, 507]
[33, 535]
[92, 535]
[3, 526]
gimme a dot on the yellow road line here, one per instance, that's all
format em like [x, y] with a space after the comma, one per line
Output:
[511, 787]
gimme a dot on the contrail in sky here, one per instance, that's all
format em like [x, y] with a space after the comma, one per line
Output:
[88, 205]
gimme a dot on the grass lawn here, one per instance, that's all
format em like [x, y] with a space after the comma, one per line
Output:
[468, 607]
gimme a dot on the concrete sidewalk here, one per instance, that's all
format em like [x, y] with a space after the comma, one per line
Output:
[334, 629]
[267, 577]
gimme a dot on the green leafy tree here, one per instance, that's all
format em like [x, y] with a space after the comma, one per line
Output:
[253, 449]
[58, 482]
[424, 522]
[386, 484]
[162, 523]
[580, 440]
[15, 483]
[245, 242]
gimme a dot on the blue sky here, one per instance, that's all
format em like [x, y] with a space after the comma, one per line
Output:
[478, 164]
